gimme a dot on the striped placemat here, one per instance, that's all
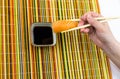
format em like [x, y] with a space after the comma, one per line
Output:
[73, 57]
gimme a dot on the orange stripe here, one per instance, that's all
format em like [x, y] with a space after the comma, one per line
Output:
[32, 51]
[3, 42]
[13, 52]
[23, 41]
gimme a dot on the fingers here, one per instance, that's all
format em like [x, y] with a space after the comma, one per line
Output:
[81, 23]
[85, 30]
[89, 17]
[89, 30]
[93, 14]
[96, 24]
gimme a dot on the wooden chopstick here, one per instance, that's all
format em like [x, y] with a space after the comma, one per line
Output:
[100, 19]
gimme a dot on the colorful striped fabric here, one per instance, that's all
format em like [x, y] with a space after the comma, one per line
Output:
[73, 57]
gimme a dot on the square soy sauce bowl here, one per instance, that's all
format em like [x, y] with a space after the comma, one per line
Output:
[42, 34]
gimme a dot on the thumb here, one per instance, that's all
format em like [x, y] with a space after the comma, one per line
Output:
[93, 22]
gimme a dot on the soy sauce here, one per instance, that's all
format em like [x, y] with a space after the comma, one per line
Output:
[42, 35]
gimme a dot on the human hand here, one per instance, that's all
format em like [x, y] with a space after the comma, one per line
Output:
[100, 33]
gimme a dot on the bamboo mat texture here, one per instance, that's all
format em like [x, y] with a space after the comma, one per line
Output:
[73, 57]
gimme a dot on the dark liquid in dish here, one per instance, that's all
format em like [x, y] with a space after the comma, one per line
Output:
[42, 35]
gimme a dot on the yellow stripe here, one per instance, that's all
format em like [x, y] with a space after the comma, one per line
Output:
[8, 41]
[4, 42]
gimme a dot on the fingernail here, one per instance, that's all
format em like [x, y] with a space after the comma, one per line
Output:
[80, 23]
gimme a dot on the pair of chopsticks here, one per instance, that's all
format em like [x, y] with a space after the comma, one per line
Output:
[100, 19]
